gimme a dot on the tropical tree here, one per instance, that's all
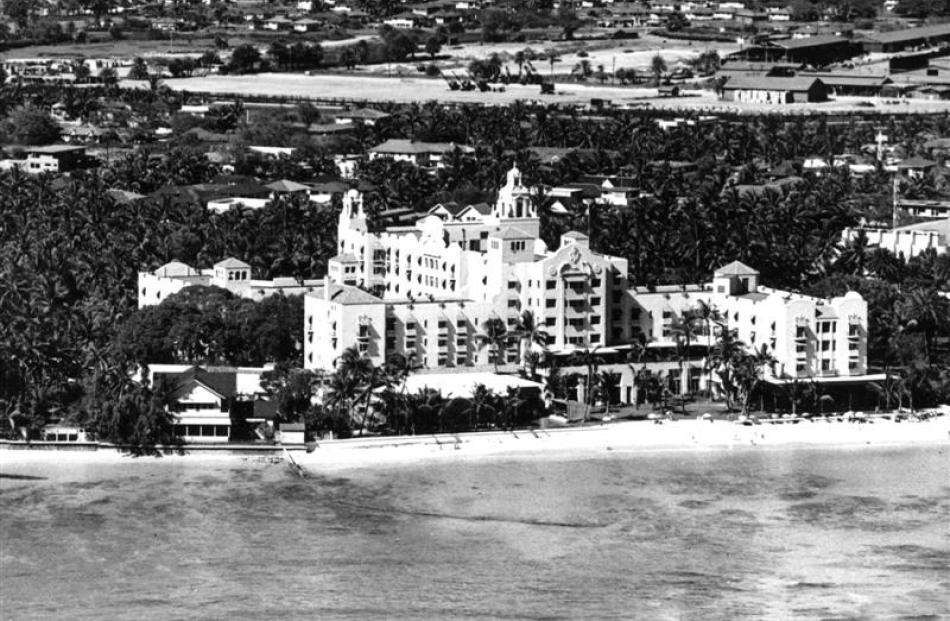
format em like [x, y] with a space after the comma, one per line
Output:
[139, 70]
[495, 336]
[530, 333]
[658, 67]
[727, 359]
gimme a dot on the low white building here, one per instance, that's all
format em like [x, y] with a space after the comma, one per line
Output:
[221, 205]
[907, 241]
[230, 274]
[423, 154]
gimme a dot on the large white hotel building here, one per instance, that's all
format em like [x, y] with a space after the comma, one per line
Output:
[427, 289]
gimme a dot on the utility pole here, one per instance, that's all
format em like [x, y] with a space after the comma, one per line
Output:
[896, 200]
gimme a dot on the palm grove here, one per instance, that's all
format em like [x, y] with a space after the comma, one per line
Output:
[70, 333]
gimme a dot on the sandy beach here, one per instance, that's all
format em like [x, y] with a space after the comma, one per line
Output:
[592, 441]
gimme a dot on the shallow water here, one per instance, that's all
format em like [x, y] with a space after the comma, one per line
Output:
[777, 534]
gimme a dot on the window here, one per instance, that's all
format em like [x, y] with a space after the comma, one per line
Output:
[550, 321]
[443, 342]
[667, 314]
[443, 325]
[512, 284]
[594, 338]
[595, 283]
[595, 301]
[826, 365]
[551, 303]
[410, 326]
[550, 284]
[594, 320]
[635, 314]
[461, 324]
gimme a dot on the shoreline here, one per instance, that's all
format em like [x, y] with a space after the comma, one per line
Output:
[621, 438]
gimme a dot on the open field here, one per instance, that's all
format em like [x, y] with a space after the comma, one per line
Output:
[612, 54]
[418, 89]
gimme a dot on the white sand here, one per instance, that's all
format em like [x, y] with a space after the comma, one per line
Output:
[616, 438]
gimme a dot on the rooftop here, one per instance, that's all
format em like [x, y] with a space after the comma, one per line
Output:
[910, 34]
[411, 147]
[769, 83]
[806, 42]
[736, 268]
[231, 262]
[915, 162]
[176, 269]
[285, 185]
[53, 149]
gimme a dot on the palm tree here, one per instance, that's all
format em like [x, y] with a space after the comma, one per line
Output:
[723, 357]
[530, 333]
[747, 371]
[589, 359]
[926, 312]
[481, 401]
[684, 330]
[495, 335]
[347, 383]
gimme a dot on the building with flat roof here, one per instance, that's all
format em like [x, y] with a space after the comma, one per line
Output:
[54, 158]
[231, 274]
[422, 154]
[906, 241]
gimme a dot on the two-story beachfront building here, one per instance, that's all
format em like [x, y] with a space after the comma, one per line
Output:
[230, 274]
[212, 404]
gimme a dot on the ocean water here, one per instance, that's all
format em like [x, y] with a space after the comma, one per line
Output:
[746, 534]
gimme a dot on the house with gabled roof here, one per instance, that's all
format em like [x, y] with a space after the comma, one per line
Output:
[211, 403]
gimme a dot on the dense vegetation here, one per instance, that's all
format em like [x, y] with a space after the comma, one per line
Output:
[69, 255]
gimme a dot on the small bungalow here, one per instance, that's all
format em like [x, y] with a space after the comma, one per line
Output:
[915, 167]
